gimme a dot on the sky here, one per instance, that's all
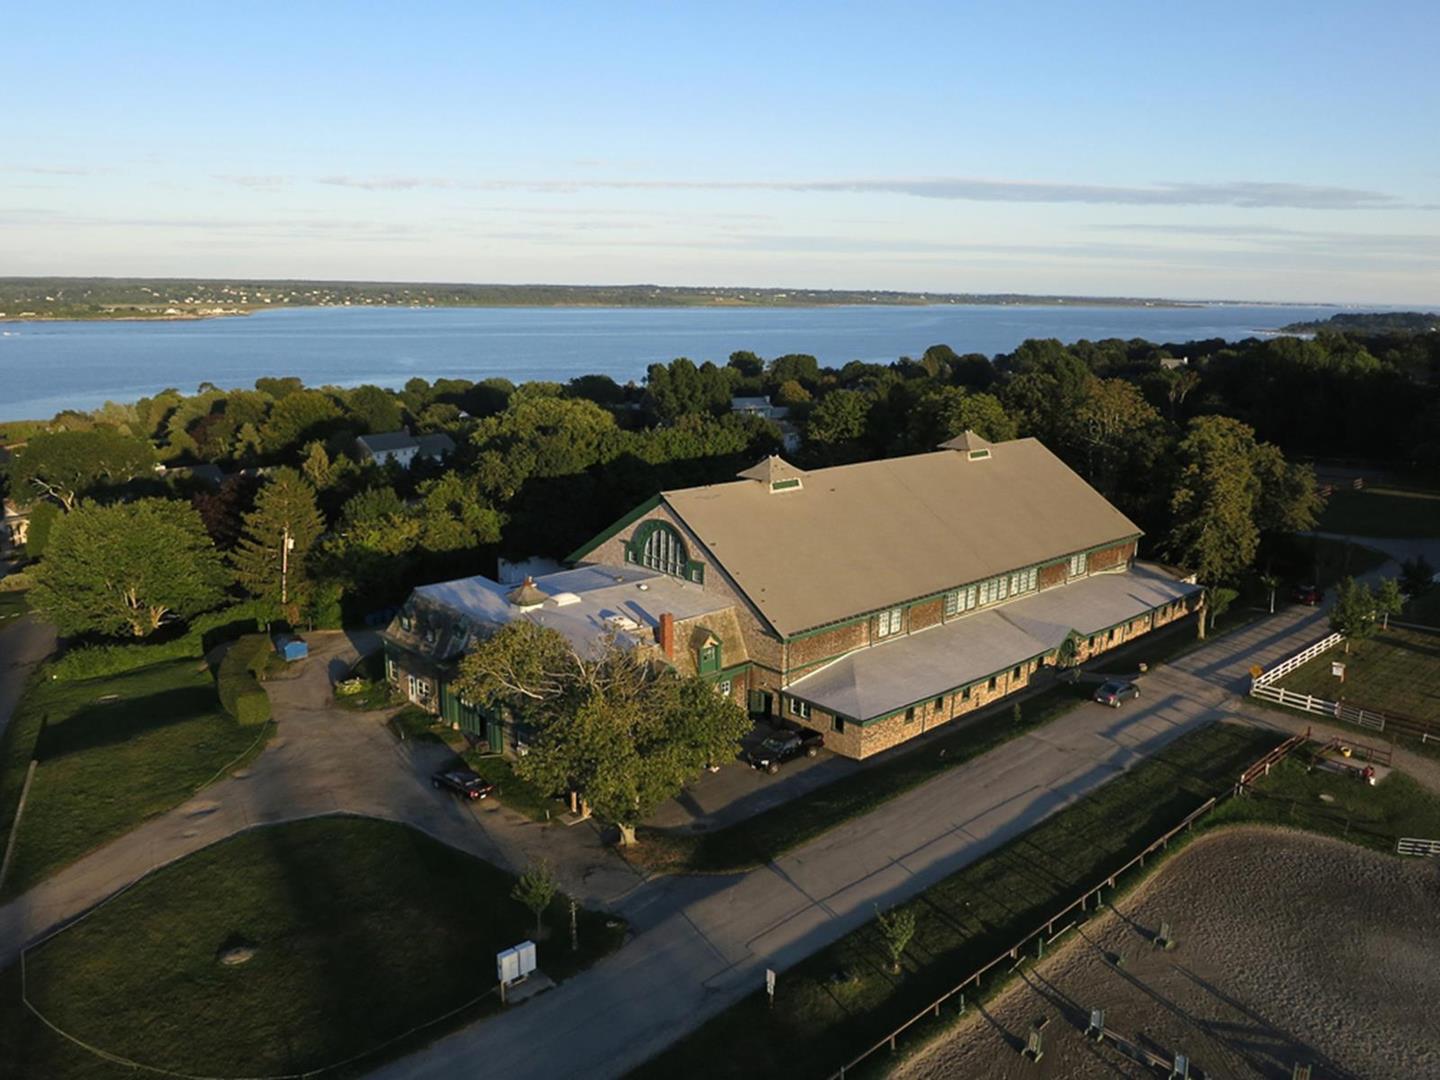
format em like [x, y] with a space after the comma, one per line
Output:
[1263, 150]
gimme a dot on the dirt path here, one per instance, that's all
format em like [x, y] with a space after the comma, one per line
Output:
[1290, 948]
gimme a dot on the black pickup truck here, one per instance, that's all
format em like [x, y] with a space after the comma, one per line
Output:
[784, 746]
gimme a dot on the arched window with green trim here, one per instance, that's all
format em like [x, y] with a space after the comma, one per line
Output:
[659, 547]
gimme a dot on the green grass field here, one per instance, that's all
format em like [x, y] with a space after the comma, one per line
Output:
[843, 998]
[1374, 817]
[362, 929]
[1382, 512]
[759, 839]
[112, 751]
[1395, 671]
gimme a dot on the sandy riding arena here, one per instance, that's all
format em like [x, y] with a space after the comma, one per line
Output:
[1288, 948]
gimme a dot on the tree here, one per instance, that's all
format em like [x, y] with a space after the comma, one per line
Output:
[1218, 601]
[1389, 600]
[64, 465]
[1213, 503]
[839, 417]
[536, 888]
[1270, 582]
[1289, 498]
[1416, 574]
[615, 726]
[1354, 612]
[297, 418]
[791, 394]
[376, 410]
[897, 928]
[948, 411]
[128, 569]
[747, 363]
[271, 558]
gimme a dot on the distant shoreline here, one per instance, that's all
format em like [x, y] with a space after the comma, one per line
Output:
[191, 316]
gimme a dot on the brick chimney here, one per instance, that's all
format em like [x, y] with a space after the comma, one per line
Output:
[666, 635]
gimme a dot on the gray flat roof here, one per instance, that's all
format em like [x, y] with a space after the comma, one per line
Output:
[626, 601]
[879, 680]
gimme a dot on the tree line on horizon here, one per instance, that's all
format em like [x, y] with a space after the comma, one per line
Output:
[1197, 443]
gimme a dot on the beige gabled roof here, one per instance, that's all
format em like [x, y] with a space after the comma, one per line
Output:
[857, 538]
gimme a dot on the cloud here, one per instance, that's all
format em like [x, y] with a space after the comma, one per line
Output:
[388, 183]
[49, 170]
[257, 182]
[1245, 194]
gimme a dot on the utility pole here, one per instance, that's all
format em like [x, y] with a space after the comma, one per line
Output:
[285, 545]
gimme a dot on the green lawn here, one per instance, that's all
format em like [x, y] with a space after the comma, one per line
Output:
[1395, 671]
[112, 751]
[842, 999]
[759, 839]
[362, 929]
[1382, 512]
[1425, 608]
[1374, 817]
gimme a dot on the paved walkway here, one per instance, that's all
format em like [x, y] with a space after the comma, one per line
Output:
[703, 943]
[320, 761]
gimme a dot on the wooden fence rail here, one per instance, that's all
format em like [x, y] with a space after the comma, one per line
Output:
[1089, 898]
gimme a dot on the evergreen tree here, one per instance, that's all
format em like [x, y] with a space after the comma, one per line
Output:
[271, 560]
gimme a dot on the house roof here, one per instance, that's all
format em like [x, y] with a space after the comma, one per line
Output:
[878, 681]
[388, 442]
[857, 538]
[437, 444]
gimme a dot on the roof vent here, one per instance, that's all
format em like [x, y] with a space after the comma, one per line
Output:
[973, 446]
[527, 595]
[776, 474]
[565, 599]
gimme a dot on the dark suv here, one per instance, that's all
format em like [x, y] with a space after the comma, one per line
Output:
[784, 746]
[466, 783]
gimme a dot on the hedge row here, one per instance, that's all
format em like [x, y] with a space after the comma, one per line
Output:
[205, 632]
[238, 680]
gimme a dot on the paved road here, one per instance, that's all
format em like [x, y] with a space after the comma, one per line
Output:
[24, 642]
[320, 761]
[705, 942]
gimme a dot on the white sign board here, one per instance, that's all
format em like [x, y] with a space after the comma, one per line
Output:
[514, 964]
[1337, 667]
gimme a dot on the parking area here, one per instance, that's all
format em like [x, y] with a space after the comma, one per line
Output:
[736, 791]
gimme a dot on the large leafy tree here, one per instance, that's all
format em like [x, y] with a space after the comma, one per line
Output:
[272, 559]
[1215, 498]
[128, 569]
[65, 465]
[1355, 611]
[615, 727]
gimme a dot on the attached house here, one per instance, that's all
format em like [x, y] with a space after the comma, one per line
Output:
[871, 602]
[402, 448]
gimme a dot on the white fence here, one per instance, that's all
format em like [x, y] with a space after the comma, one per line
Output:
[1280, 670]
[1409, 845]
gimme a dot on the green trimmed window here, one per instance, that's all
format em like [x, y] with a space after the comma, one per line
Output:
[657, 546]
[710, 657]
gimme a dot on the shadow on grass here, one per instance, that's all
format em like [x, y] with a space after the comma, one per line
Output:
[108, 723]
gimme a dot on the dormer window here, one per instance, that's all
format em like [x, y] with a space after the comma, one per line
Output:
[710, 656]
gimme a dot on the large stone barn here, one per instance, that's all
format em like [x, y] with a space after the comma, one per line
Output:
[871, 602]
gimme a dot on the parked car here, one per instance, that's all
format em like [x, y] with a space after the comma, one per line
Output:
[784, 746]
[466, 783]
[1114, 692]
[1309, 594]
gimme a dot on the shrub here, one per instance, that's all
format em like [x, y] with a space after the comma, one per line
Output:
[238, 680]
[17, 582]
